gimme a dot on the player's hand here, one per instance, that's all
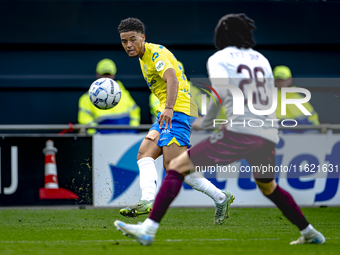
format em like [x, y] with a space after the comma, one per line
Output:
[222, 127]
[197, 123]
[166, 116]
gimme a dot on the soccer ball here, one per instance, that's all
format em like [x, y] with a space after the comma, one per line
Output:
[104, 93]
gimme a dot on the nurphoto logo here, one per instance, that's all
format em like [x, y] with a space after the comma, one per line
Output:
[260, 102]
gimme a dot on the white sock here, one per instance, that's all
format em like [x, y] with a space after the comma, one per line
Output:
[148, 178]
[309, 230]
[150, 226]
[198, 182]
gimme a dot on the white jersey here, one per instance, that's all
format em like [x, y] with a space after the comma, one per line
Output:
[251, 73]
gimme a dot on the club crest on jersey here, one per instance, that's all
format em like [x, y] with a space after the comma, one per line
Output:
[160, 65]
[154, 56]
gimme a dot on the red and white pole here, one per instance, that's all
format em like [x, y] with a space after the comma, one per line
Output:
[51, 189]
[51, 175]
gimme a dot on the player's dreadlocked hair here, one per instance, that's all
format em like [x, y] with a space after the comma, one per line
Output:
[234, 30]
[131, 24]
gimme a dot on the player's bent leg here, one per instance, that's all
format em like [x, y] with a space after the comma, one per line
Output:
[266, 188]
[285, 202]
[149, 147]
[171, 153]
[141, 207]
[223, 199]
[145, 232]
[181, 163]
[148, 152]
[311, 236]
[222, 209]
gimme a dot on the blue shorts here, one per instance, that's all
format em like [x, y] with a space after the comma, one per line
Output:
[179, 133]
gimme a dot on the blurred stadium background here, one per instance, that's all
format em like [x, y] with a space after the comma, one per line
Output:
[49, 49]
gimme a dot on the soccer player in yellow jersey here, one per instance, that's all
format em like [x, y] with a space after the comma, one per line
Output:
[170, 134]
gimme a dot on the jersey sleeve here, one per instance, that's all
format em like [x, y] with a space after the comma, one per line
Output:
[216, 68]
[212, 113]
[161, 63]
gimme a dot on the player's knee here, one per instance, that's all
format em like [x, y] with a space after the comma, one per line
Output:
[173, 164]
[141, 155]
[266, 191]
[152, 135]
[267, 186]
[166, 164]
[177, 165]
[148, 151]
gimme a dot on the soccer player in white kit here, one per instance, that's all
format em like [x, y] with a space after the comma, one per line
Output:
[236, 64]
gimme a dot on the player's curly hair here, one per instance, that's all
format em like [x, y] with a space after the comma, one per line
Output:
[131, 24]
[234, 30]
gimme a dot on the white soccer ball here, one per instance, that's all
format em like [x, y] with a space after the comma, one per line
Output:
[104, 93]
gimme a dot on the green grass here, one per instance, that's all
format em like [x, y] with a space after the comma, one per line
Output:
[183, 231]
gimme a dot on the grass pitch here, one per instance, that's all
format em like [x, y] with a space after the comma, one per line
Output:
[183, 231]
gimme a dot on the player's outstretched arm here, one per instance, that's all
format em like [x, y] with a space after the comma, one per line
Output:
[171, 95]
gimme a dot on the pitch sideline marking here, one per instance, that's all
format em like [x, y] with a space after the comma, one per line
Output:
[165, 240]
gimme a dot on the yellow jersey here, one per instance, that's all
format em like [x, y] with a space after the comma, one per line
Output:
[156, 60]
